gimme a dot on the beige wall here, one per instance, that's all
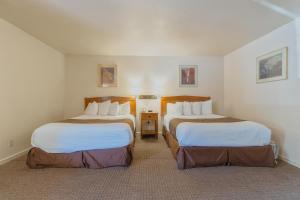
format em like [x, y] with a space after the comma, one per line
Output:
[276, 104]
[141, 75]
[31, 85]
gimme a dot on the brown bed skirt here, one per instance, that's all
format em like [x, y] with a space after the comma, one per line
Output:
[93, 159]
[190, 157]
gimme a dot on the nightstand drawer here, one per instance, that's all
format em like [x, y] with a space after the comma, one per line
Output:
[149, 116]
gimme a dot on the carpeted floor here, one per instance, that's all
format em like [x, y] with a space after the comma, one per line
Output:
[152, 175]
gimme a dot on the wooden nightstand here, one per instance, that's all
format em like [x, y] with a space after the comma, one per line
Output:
[149, 124]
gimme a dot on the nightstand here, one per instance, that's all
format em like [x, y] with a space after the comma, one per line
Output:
[149, 124]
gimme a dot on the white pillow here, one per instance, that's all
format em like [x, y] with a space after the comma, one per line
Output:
[196, 108]
[124, 108]
[104, 108]
[91, 109]
[114, 108]
[187, 108]
[174, 108]
[179, 108]
[207, 107]
[171, 108]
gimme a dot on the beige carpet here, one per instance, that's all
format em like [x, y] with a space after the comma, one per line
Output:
[152, 175]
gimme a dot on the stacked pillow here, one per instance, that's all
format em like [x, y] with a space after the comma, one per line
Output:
[175, 108]
[91, 109]
[107, 108]
[206, 107]
[187, 108]
[124, 108]
[113, 108]
[190, 108]
[196, 108]
[103, 108]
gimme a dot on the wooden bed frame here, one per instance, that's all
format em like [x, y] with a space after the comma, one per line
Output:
[131, 100]
[97, 158]
[193, 156]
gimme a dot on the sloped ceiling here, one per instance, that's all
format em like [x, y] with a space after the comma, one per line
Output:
[144, 27]
[289, 6]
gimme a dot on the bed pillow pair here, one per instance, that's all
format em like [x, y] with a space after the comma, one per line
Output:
[201, 107]
[117, 109]
[192, 108]
[95, 108]
[179, 108]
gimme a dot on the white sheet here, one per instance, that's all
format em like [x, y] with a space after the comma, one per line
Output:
[68, 137]
[245, 133]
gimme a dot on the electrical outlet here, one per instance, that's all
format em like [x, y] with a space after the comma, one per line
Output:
[11, 143]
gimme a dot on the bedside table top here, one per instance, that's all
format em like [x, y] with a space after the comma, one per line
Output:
[149, 113]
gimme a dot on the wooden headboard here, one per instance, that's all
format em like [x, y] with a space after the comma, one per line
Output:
[132, 101]
[173, 99]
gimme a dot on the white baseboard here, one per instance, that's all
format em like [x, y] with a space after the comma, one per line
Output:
[14, 156]
[296, 164]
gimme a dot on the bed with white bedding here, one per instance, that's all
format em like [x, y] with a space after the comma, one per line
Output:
[71, 137]
[201, 138]
[236, 134]
[92, 140]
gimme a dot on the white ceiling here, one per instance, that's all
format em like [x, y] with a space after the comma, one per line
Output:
[290, 6]
[146, 27]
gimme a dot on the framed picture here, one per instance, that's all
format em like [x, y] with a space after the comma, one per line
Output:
[272, 66]
[188, 75]
[108, 75]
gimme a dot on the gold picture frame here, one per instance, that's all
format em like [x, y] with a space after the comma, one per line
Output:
[272, 66]
[108, 75]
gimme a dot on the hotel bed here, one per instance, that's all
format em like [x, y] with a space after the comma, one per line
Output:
[86, 141]
[212, 140]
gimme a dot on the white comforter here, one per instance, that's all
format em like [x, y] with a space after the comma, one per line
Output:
[68, 137]
[245, 133]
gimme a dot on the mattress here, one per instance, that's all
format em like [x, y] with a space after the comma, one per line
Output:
[71, 137]
[234, 134]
